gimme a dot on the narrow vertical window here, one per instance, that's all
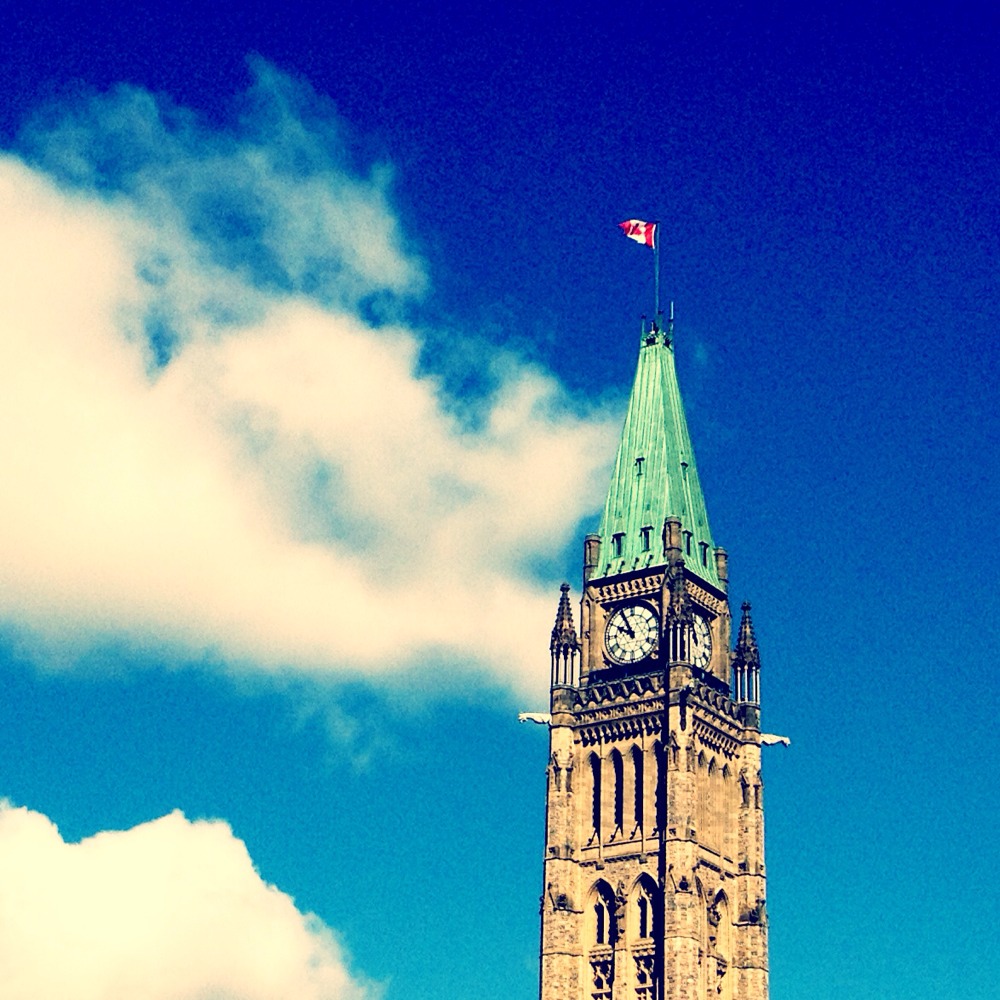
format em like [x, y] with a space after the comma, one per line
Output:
[616, 543]
[646, 536]
[687, 543]
[661, 787]
[618, 768]
[637, 789]
[595, 778]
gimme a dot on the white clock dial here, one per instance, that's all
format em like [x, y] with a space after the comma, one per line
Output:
[701, 642]
[631, 633]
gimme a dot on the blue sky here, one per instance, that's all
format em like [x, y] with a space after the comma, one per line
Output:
[316, 329]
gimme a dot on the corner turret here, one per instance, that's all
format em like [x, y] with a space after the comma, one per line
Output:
[564, 645]
[746, 667]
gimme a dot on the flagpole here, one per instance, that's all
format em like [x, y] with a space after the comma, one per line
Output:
[656, 273]
[647, 233]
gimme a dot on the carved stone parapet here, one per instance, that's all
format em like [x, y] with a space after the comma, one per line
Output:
[717, 713]
[628, 585]
[714, 738]
[619, 690]
[711, 698]
[707, 598]
[620, 722]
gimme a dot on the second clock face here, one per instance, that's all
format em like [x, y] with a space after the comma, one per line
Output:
[631, 633]
[701, 642]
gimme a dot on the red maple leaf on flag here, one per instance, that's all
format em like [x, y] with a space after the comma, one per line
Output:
[641, 232]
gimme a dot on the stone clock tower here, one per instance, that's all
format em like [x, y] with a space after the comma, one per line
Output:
[654, 882]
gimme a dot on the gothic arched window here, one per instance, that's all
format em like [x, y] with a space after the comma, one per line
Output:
[601, 934]
[643, 929]
[601, 916]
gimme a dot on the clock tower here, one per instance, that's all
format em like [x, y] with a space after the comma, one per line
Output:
[654, 881]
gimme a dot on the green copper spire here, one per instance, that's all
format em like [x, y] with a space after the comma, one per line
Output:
[655, 475]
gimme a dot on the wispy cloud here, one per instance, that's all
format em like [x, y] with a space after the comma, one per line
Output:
[208, 445]
[266, 205]
[169, 910]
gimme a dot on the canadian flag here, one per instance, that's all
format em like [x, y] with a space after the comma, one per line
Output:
[641, 232]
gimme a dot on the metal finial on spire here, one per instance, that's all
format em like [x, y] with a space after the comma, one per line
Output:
[747, 641]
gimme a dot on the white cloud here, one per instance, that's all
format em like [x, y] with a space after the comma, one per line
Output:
[169, 910]
[286, 490]
[267, 205]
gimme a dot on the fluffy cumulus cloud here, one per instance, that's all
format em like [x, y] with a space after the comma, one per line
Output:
[215, 438]
[170, 910]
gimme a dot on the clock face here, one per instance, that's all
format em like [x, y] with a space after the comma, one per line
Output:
[701, 642]
[631, 633]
